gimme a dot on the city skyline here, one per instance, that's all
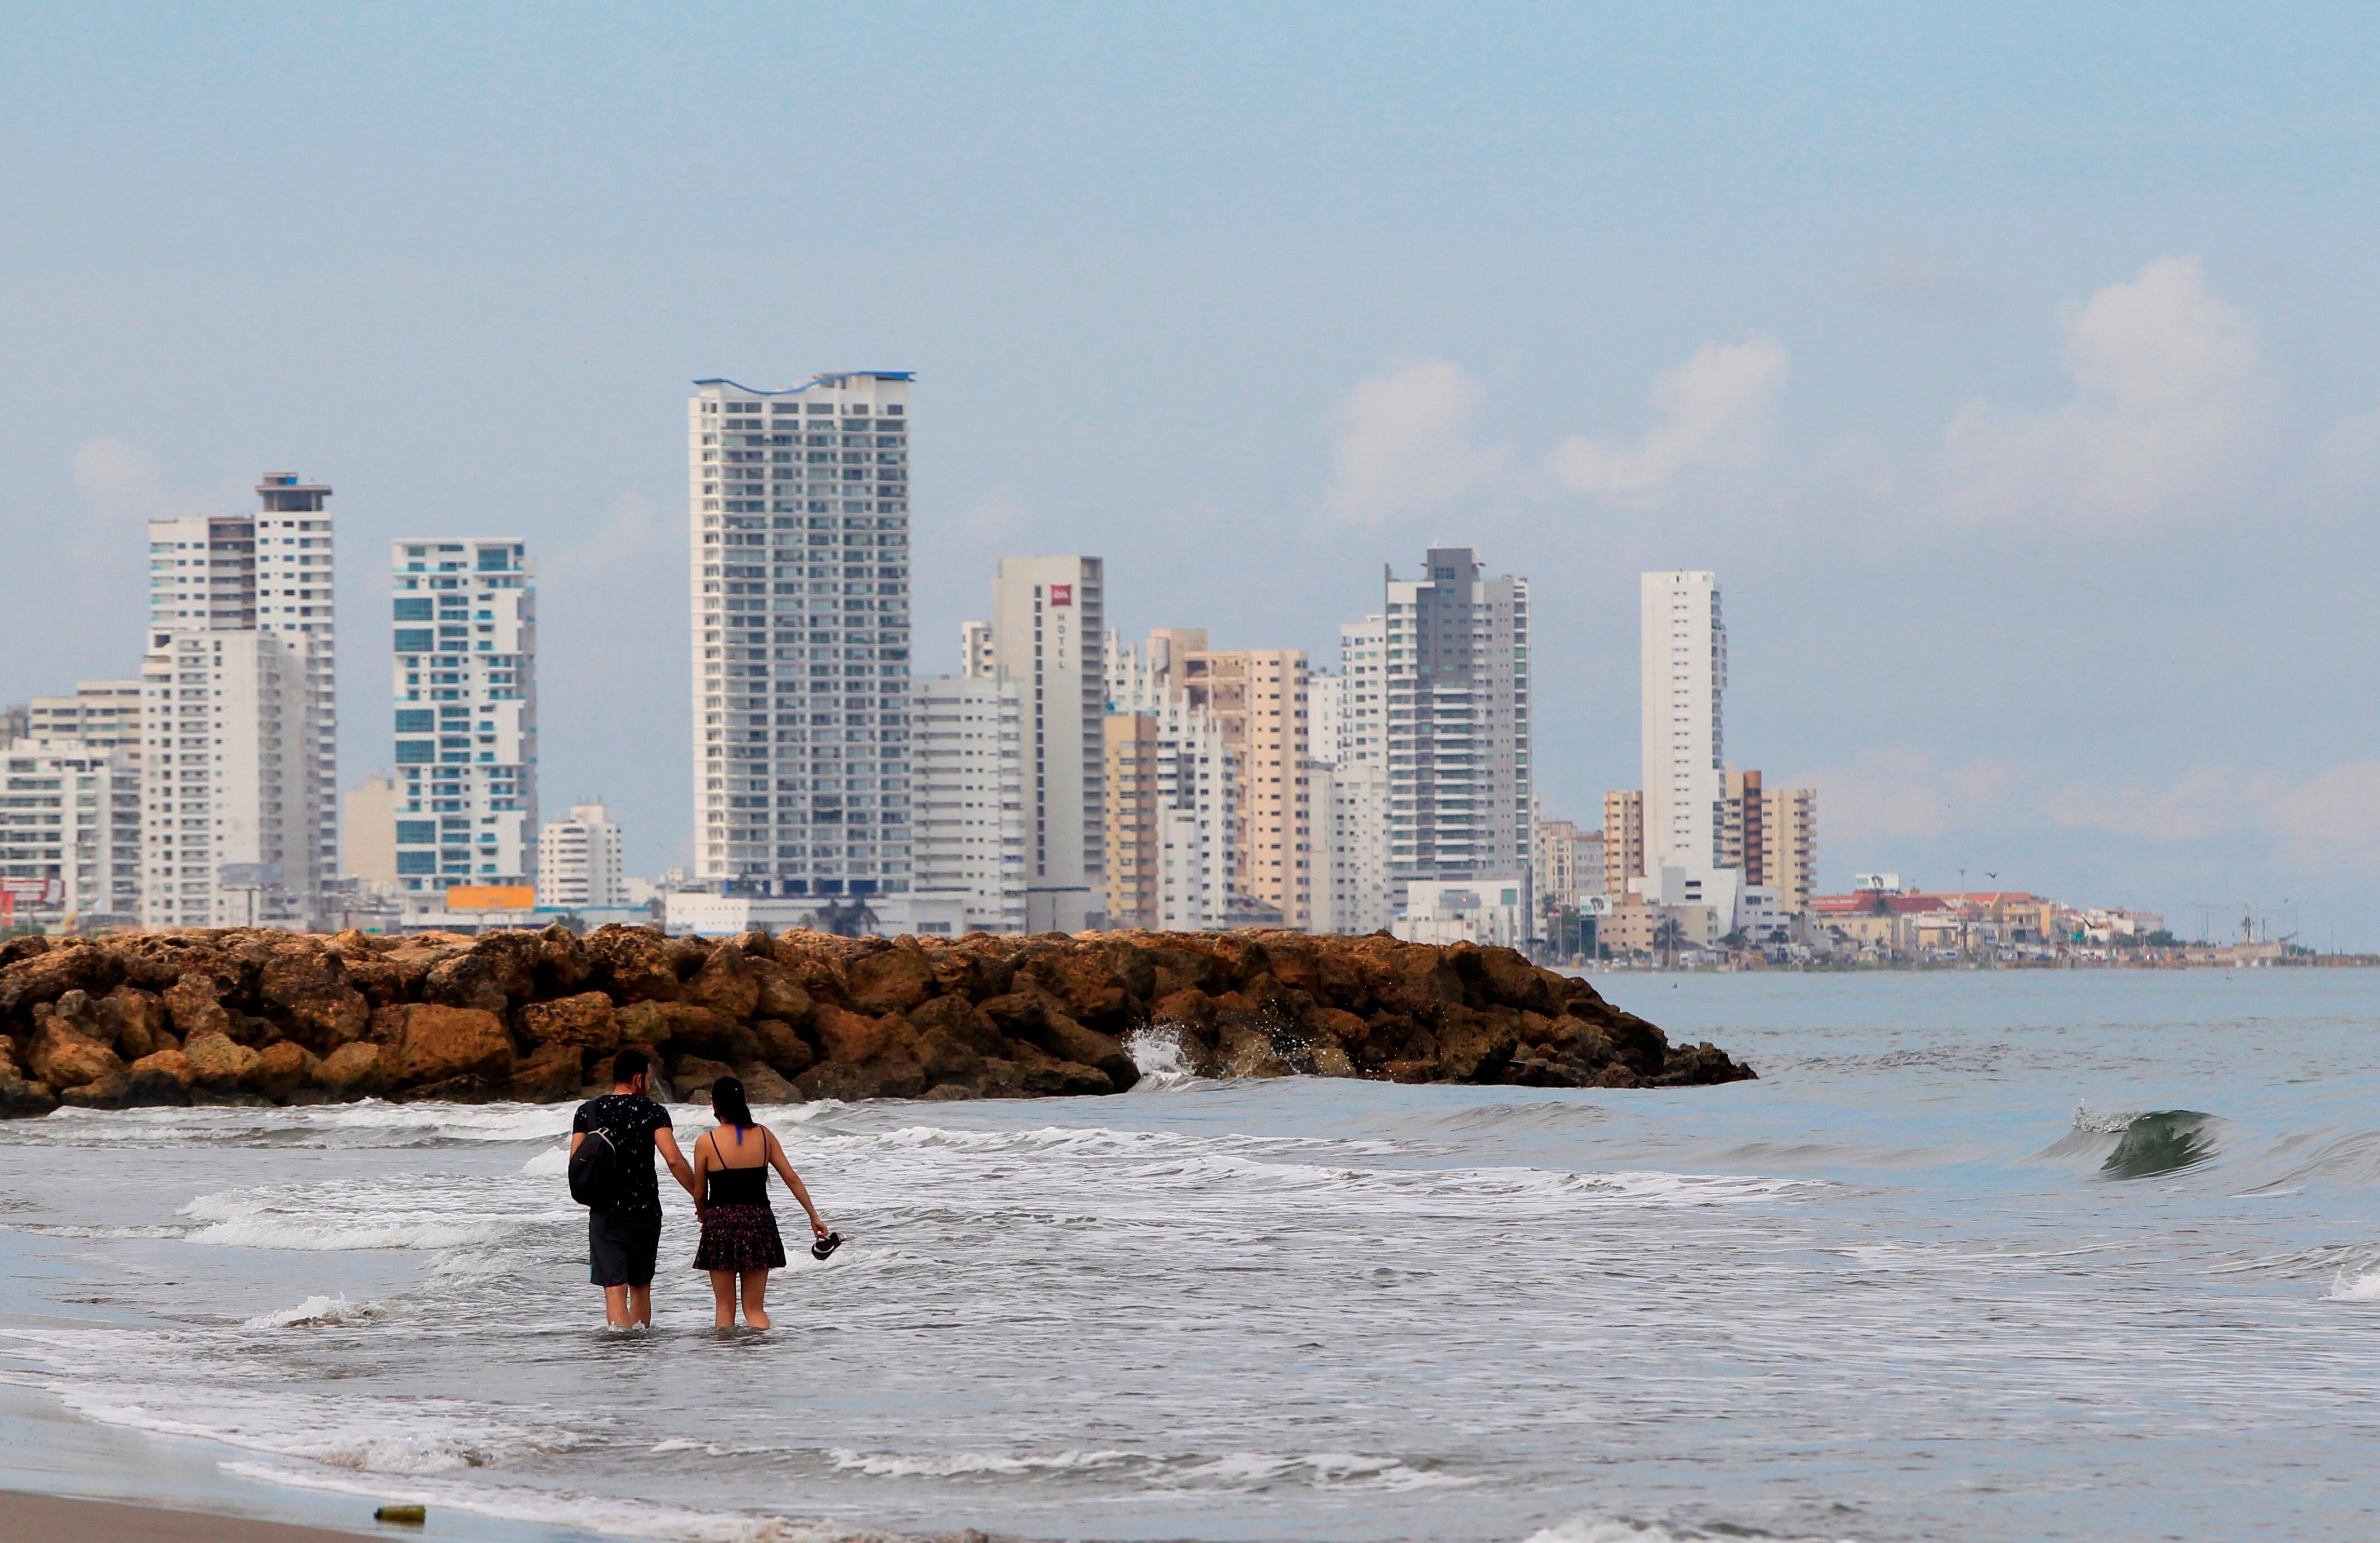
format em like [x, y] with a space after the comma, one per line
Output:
[2010, 435]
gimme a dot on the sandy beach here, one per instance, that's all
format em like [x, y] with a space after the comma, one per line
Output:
[48, 1519]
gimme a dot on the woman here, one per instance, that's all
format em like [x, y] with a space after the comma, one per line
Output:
[739, 1230]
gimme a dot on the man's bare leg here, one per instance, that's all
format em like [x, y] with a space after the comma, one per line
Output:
[615, 1306]
[640, 1306]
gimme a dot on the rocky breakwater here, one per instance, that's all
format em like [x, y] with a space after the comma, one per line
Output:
[249, 1015]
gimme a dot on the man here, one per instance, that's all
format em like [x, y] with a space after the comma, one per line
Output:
[624, 1241]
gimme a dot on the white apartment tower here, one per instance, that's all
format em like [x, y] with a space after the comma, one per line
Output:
[101, 714]
[1682, 652]
[240, 728]
[1049, 635]
[464, 687]
[70, 833]
[580, 861]
[799, 529]
[966, 790]
[1350, 783]
[1456, 675]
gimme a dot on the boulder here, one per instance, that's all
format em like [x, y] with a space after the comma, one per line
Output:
[305, 989]
[889, 980]
[630, 964]
[21, 1099]
[138, 1022]
[284, 1067]
[726, 984]
[763, 1086]
[195, 1007]
[218, 1064]
[162, 1078]
[440, 1044]
[65, 1059]
[835, 1079]
[587, 1022]
[780, 996]
[69, 965]
[692, 1076]
[500, 969]
[353, 1071]
[783, 1048]
[848, 1037]
[551, 1073]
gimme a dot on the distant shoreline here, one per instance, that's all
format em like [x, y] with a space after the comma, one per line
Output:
[2033, 967]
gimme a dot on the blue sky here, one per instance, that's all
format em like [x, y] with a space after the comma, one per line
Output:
[2015, 368]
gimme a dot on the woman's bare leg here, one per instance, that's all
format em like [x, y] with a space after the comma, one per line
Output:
[722, 1298]
[756, 1286]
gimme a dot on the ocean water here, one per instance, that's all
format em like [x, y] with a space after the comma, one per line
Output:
[1980, 1256]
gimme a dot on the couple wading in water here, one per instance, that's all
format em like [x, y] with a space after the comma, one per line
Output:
[613, 1144]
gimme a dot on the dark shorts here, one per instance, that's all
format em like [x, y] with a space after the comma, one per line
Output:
[622, 1247]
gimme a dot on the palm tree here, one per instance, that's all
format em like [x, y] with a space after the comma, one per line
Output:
[853, 920]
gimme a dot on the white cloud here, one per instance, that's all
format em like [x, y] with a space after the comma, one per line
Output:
[2326, 822]
[119, 480]
[1714, 409]
[2169, 403]
[1403, 444]
[627, 540]
[1901, 791]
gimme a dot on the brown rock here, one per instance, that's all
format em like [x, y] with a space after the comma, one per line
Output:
[439, 1044]
[495, 972]
[763, 1086]
[193, 1004]
[284, 1067]
[686, 955]
[69, 965]
[1475, 1045]
[781, 997]
[65, 1059]
[692, 1076]
[961, 1021]
[562, 966]
[139, 1021]
[726, 984]
[587, 1022]
[171, 1064]
[783, 1048]
[1083, 984]
[553, 1073]
[631, 964]
[848, 1037]
[23, 1100]
[1187, 1008]
[353, 1071]
[305, 989]
[837, 1079]
[220, 1065]
[890, 980]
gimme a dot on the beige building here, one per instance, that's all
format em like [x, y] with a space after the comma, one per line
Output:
[1557, 862]
[1132, 890]
[1257, 698]
[369, 814]
[1587, 864]
[1790, 835]
[101, 715]
[1634, 928]
[1623, 842]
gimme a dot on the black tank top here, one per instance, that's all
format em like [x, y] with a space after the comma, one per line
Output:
[736, 1186]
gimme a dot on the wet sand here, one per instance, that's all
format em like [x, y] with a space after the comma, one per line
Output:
[46, 1519]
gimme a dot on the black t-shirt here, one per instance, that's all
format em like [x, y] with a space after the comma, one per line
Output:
[632, 1119]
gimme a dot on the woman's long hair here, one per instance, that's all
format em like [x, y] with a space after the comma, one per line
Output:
[727, 1102]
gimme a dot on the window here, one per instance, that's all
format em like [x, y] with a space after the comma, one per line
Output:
[416, 862]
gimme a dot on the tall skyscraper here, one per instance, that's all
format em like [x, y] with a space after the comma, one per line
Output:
[1790, 820]
[464, 684]
[1257, 698]
[1682, 654]
[1048, 632]
[1623, 841]
[1350, 783]
[580, 861]
[967, 773]
[1457, 730]
[239, 729]
[800, 528]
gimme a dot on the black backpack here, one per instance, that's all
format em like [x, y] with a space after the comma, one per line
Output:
[595, 1172]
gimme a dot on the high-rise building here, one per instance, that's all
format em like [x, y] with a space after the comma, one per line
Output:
[1684, 656]
[1623, 841]
[1587, 864]
[1789, 823]
[1196, 794]
[368, 827]
[800, 531]
[102, 714]
[1743, 842]
[1350, 783]
[1556, 867]
[966, 776]
[1133, 852]
[580, 861]
[464, 686]
[1457, 698]
[1048, 634]
[70, 833]
[1257, 698]
[239, 730]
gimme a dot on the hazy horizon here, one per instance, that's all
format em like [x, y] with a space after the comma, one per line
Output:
[2014, 372]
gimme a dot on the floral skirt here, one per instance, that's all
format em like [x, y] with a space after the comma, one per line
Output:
[740, 1238]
